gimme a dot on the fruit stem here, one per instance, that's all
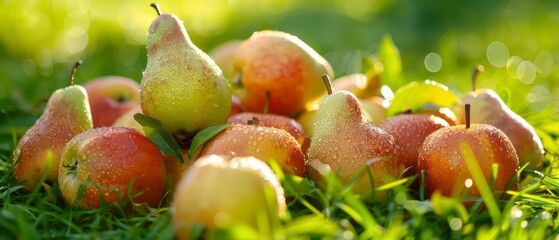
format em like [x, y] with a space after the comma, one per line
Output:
[327, 83]
[78, 63]
[266, 102]
[156, 7]
[467, 113]
[477, 70]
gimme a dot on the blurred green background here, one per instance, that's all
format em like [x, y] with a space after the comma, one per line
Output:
[517, 41]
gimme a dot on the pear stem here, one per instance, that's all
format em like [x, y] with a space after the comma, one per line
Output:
[467, 113]
[477, 70]
[78, 63]
[327, 83]
[266, 102]
[156, 7]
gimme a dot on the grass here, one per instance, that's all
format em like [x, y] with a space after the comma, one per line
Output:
[335, 212]
[332, 213]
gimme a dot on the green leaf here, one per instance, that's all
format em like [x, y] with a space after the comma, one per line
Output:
[414, 95]
[505, 95]
[155, 131]
[204, 136]
[390, 57]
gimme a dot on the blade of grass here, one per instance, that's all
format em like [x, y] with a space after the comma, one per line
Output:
[481, 183]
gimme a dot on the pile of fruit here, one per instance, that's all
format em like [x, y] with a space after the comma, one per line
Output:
[216, 131]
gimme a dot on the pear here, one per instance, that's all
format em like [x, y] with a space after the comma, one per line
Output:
[344, 141]
[488, 108]
[283, 64]
[181, 86]
[38, 153]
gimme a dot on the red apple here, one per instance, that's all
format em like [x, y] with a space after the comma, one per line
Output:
[265, 143]
[276, 121]
[409, 132]
[109, 159]
[446, 169]
[218, 192]
[110, 97]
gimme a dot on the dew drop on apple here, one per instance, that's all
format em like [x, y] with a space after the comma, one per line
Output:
[468, 183]
[107, 135]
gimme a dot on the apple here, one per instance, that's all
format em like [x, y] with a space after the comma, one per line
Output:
[109, 160]
[218, 192]
[175, 169]
[265, 143]
[409, 132]
[110, 97]
[442, 158]
[276, 121]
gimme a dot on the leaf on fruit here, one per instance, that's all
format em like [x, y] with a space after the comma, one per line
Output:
[414, 95]
[390, 57]
[204, 136]
[155, 131]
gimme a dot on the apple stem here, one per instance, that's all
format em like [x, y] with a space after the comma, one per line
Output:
[407, 111]
[467, 113]
[156, 7]
[477, 70]
[266, 102]
[78, 63]
[254, 121]
[327, 83]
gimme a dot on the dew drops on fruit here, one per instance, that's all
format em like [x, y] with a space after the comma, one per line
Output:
[468, 183]
[433, 62]
[497, 54]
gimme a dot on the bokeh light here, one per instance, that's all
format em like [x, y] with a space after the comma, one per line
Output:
[497, 54]
[433, 62]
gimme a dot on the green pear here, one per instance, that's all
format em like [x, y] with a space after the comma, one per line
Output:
[38, 153]
[488, 108]
[181, 85]
[344, 141]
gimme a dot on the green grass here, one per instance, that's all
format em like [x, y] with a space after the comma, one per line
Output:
[459, 32]
[333, 212]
